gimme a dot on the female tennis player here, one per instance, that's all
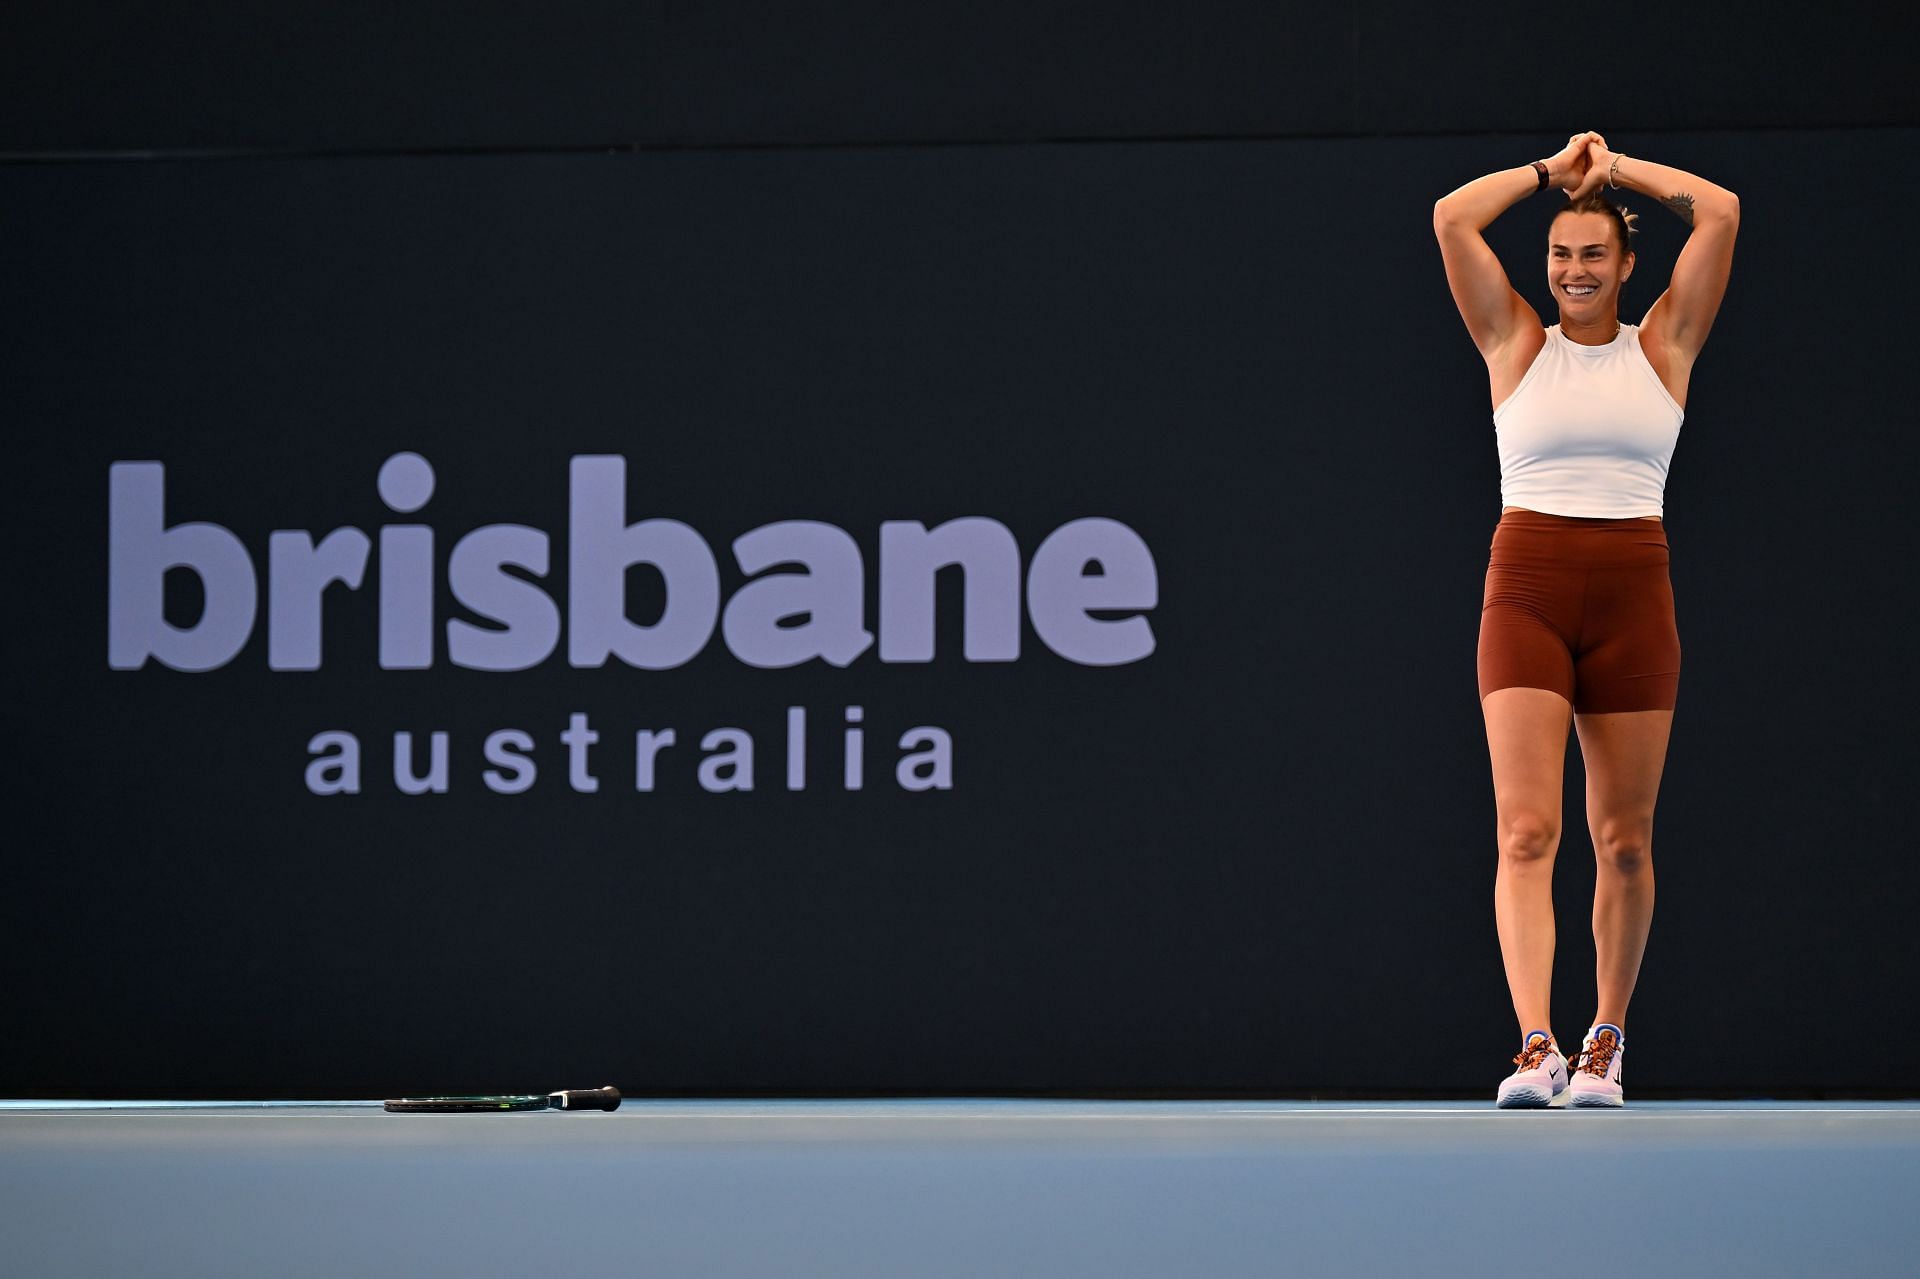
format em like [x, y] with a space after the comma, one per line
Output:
[1577, 621]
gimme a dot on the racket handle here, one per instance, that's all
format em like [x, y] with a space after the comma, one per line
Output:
[607, 1098]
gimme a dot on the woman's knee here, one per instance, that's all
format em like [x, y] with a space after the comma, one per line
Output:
[1528, 837]
[1623, 845]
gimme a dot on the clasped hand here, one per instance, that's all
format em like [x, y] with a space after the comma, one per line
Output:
[1581, 167]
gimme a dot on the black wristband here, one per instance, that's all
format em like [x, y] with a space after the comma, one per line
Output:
[1541, 165]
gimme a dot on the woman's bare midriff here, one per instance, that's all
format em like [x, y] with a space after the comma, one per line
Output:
[1505, 509]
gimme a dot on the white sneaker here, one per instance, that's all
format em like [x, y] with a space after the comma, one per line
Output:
[1596, 1070]
[1542, 1075]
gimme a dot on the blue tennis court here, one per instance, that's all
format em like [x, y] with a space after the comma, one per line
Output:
[967, 1187]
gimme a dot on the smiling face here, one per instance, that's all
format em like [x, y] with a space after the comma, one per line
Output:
[1586, 267]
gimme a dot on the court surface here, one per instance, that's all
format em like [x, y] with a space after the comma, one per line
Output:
[938, 1188]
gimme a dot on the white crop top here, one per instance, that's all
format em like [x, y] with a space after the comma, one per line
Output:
[1588, 432]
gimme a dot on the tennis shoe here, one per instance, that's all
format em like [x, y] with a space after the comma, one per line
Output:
[1541, 1077]
[1596, 1069]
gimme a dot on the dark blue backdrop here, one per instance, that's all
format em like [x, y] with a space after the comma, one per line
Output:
[1260, 859]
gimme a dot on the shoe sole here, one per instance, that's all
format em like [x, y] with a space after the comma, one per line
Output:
[1526, 1097]
[1593, 1101]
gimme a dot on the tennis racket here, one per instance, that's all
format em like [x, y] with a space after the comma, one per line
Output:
[607, 1098]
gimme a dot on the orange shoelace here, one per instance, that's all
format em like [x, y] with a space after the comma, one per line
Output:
[1597, 1058]
[1530, 1058]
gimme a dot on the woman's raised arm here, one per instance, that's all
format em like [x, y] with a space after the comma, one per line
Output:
[1494, 312]
[1682, 316]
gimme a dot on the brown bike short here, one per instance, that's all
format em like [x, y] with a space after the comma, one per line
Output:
[1582, 607]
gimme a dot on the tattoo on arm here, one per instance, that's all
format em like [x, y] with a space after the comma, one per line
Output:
[1682, 206]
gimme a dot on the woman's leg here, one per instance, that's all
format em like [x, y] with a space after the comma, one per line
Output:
[1625, 754]
[1527, 741]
